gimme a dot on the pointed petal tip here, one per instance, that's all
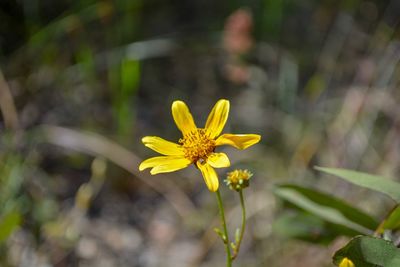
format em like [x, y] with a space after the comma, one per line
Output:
[224, 100]
[177, 104]
[213, 189]
[146, 139]
[142, 167]
[213, 185]
[153, 171]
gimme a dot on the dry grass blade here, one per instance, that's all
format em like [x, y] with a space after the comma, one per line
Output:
[98, 145]
[7, 106]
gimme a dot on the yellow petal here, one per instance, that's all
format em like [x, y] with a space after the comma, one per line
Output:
[218, 160]
[209, 175]
[164, 164]
[182, 117]
[217, 118]
[346, 263]
[163, 146]
[240, 141]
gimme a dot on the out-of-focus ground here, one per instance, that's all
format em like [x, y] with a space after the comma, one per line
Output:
[82, 81]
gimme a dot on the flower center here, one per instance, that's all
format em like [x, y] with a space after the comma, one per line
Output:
[197, 145]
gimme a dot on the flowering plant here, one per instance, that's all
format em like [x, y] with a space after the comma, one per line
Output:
[197, 146]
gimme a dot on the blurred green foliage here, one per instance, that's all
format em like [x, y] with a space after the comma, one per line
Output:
[369, 252]
[379, 250]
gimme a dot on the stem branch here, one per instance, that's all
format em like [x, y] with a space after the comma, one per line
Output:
[237, 247]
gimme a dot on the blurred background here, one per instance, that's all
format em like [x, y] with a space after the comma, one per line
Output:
[82, 81]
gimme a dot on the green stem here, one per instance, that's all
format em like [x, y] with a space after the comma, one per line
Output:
[226, 237]
[237, 248]
[379, 231]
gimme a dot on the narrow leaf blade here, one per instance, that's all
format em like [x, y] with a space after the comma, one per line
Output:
[327, 207]
[373, 182]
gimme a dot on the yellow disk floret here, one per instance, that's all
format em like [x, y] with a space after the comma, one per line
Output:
[197, 145]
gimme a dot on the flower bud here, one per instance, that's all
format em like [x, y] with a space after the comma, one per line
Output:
[238, 179]
[346, 262]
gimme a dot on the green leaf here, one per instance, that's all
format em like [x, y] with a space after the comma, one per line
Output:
[8, 223]
[303, 226]
[130, 77]
[327, 207]
[369, 252]
[394, 262]
[373, 182]
[129, 84]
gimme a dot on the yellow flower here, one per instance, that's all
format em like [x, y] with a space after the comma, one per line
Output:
[238, 179]
[197, 144]
[346, 262]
